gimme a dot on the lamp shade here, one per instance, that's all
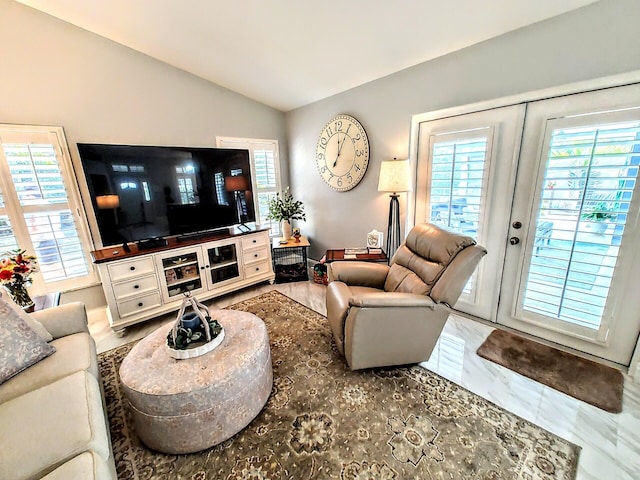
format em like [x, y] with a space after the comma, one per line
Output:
[395, 176]
[106, 202]
[236, 183]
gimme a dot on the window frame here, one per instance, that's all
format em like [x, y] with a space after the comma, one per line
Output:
[16, 212]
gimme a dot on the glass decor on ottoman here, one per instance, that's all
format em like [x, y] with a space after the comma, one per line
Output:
[16, 268]
[193, 333]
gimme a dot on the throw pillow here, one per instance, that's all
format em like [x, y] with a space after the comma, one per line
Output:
[35, 325]
[20, 346]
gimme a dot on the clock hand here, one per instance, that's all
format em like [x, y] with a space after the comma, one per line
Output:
[339, 148]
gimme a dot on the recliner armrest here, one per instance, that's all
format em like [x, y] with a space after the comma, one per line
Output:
[391, 299]
[64, 319]
[363, 274]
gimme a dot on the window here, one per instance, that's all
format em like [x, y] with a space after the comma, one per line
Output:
[265, 170]
[40, 209]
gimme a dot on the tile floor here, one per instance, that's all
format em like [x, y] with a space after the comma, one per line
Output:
[610, 442]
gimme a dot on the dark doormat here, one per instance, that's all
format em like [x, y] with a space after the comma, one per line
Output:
[591, 382]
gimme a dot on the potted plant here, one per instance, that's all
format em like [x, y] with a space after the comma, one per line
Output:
[283, 208]
[598, 217]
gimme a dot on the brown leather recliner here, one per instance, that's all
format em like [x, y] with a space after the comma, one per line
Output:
[393, 315]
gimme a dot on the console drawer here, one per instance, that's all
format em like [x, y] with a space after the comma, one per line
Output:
[254, 241]
[131, 268]
[255, 255]
[138, 304]
[136, 286]
[257, 268]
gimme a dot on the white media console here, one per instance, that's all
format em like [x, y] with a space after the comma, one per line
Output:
[143, 284]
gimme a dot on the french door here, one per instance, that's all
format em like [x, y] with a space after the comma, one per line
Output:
[466, 173]
[570, 269]
[557, 208]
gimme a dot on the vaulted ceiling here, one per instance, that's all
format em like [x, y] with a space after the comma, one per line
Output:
[289, 53]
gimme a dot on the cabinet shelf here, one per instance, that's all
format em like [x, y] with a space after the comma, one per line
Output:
[218, 266]
[182, 280]
[180, 265]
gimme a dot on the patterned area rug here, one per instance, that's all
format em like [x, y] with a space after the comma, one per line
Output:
[323, 421]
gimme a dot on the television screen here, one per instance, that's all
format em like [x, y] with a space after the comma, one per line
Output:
[141, 192]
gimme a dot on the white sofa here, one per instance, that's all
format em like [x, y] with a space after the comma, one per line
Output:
[53, 422]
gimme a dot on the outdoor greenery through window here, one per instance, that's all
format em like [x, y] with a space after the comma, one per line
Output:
[36, 211]
[589, 179]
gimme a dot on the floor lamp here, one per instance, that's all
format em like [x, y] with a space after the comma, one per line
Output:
[237, 184]
[394, 177]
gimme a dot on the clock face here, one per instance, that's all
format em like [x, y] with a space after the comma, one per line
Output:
[342, 153]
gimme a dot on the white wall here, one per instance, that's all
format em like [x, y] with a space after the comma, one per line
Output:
[595, 41]
[53, 73]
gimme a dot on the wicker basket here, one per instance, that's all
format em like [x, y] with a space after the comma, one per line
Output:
[320, 274]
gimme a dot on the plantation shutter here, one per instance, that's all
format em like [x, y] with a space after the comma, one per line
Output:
[265, 174]
[40, 209]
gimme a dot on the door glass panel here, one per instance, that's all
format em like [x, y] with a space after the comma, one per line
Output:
[182, 273]
[223, 262]
[458, 166]
[457, 180]
[588, 185]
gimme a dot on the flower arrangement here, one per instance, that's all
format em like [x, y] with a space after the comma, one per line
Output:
[285, 208]
[16, 268]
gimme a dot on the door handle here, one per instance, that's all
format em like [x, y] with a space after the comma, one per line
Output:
[514, 240]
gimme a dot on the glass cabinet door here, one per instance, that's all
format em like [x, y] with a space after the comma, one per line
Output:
[181, 274]
[222, 263]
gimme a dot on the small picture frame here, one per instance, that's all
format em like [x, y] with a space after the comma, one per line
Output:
[374, 239]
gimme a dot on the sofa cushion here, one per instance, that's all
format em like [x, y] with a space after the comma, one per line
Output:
[74, 353]
[86, 466]
[20, 346]
[35, 325]
[52, 425]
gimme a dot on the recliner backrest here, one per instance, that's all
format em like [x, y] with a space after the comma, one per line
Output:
[422, 258]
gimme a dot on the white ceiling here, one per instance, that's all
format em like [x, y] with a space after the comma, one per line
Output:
[289, 53]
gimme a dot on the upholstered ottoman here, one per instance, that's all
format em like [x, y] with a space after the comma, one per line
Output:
[184, 406]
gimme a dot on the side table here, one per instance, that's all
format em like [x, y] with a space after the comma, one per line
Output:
[290, 260]
[338, 256]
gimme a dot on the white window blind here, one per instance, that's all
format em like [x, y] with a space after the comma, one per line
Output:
[265, 172]
[40, 209]
[588, 187]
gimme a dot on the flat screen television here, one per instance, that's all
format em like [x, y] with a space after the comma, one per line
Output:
[142, 192]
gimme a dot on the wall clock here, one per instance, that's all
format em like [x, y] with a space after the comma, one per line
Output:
[342, 153]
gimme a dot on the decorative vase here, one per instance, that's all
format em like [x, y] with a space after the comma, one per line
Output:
[285, 227]
[20, 296]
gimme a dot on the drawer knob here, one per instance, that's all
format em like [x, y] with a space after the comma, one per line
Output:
[132, 268]
[140, 304]
[254, 240]
[255, 255]
[136, 286]
[257, 269]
